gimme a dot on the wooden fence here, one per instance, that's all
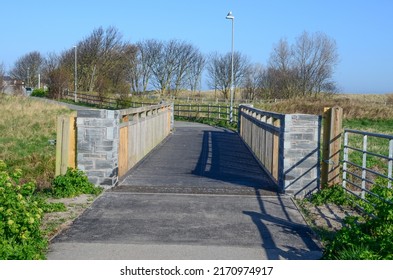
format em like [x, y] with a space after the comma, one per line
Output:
[141, 129]
[207, 111]
[191, 110]
[263, 133]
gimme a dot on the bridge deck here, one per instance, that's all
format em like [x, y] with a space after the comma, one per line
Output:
[180, 211]
[199, 158]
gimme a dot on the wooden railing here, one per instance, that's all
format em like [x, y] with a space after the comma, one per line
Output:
[141, 130]
[263, 133]
[207, 111]
[204, 111]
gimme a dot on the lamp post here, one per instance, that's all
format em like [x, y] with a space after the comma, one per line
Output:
[231, 17]
[28, 76]
[75, 78]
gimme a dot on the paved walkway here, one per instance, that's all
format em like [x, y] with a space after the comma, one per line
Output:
[199, 195]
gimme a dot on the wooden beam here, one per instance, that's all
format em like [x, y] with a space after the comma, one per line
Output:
[332, 129]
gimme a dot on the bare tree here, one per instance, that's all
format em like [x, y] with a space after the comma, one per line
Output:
[195, 71]
[56, 75]
[304, 68]
[27, 68]
[148, 53]
[254, 83]
[315, 57]
[188, 57]
[219, 71]
[281, 74]
[164, 65]
[104, 62]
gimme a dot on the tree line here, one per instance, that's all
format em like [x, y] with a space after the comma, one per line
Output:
[109, 65]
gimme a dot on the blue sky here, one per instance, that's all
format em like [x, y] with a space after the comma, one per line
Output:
[363, 30]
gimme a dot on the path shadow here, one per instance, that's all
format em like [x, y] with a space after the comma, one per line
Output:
[272, 222]
[225, 157]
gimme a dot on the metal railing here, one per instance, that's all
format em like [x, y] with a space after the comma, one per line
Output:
[366, 158]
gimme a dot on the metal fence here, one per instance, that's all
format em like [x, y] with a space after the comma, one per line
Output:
[368, 161]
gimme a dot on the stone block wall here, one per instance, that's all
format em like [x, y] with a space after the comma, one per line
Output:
[97, 145]
[301, 153]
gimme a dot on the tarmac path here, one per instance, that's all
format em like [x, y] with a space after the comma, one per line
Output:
[199, 195]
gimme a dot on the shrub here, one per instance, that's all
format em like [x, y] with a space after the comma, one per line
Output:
[20, 218]
[73, 183]
[39, 93]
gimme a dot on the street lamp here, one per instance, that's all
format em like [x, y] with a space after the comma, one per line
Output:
[231, 17]
[28, 76]
[75, 78]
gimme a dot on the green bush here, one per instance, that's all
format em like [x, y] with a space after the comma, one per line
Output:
[369, 237]
[73, 183]
[38, 92]
[20, 218]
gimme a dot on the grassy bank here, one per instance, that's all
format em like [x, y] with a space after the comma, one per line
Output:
[26, 126]
[30, 207]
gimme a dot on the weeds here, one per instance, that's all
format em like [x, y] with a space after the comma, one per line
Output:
[366, 237]
[20, 218]
[73, 183]
[334, 194]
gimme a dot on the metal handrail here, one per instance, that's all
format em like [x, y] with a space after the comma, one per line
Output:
[364, 169]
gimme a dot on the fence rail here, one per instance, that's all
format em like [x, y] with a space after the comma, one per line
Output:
[217, 112]
[369, 149]
[263, 133]
[141, 129]
[208, 111]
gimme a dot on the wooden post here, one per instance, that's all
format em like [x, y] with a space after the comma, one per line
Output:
[276, 154]
[332, 129]
[65, 144]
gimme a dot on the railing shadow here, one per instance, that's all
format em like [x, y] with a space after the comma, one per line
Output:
[306, 249]
[225, 157]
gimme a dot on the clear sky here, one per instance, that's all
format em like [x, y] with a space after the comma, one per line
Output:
[363, 30]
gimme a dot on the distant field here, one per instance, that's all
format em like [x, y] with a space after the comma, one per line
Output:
[371, 107]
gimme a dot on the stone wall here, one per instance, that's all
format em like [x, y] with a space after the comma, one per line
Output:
[97, 145]
[301, 153]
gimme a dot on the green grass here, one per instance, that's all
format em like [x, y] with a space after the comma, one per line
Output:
[384, 126]
[26, 125]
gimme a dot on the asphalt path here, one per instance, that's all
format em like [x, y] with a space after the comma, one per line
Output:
[198, 195]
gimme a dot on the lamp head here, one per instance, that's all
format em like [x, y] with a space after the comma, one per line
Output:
[230, 16]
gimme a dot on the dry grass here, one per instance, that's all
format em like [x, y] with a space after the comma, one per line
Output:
[355, 106]
[26, 125]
